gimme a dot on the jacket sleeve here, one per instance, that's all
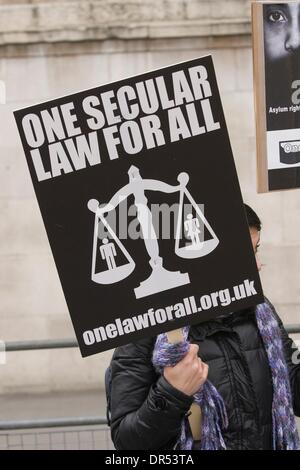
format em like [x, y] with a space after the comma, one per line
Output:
[146, 411]
[292, 357]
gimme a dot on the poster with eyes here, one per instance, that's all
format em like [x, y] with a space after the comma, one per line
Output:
[276, 58]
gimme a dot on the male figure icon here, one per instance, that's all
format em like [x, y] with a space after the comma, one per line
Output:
[108, 253]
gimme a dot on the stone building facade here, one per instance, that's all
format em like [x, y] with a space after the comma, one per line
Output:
[52, 48]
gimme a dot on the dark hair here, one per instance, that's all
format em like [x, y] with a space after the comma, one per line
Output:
[252, 217]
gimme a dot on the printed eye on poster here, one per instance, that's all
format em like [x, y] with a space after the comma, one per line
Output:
[140, 199]
[276, 57]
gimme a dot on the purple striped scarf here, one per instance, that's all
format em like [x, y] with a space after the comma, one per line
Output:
[214, 417]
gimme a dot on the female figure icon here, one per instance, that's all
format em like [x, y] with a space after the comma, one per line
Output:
[192, 227]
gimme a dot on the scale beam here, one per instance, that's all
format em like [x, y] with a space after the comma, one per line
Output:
[160, 278]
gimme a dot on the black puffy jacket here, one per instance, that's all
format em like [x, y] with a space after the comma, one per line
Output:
[147, 411]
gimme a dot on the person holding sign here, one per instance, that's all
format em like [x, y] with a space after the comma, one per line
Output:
[241, 369]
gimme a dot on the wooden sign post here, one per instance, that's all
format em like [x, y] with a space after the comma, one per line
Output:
[195, 418]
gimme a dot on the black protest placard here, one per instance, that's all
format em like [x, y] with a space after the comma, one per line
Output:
[276, 47]
[140, 199]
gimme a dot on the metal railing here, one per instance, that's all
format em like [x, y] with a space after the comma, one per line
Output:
[81, 433]
[292, 328]
[72, 343]
[41, 344]
[52, 423]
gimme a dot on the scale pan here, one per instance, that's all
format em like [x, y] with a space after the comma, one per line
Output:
[191, 251]
[113, 275]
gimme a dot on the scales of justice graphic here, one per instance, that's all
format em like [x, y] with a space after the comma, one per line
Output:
[160, 278]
